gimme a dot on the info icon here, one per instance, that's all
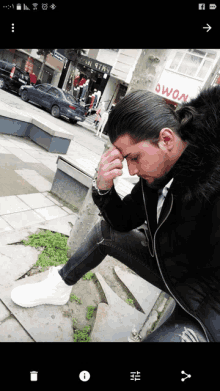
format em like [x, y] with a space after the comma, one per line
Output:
[84, 375]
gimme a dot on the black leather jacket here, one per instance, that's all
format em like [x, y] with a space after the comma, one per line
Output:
[186, 240]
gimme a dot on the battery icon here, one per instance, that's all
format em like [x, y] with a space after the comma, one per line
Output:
[18, 6]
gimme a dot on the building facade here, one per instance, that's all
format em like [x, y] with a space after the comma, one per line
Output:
[177, 75]
[123, 62]
[109, 72]
[185, 73]
[52, 69]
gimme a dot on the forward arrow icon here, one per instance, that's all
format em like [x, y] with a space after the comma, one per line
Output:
[208, 27]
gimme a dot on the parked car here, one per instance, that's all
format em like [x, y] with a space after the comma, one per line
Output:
[54, 99]
[12, 77]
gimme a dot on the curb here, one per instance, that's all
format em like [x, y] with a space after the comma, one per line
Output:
[92, 129]
[159, 313]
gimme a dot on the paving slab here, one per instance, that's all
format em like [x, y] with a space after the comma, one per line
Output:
[50, 212]
[12, 204]
[145, 293]
[62, 225]
[21, 154]
[15, 261]
[12, 331]
[115, 321]
[36, 180]
[35, 200]
[44, 323]
[22, 219]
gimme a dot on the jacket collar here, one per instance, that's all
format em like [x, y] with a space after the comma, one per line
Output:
[196, 174]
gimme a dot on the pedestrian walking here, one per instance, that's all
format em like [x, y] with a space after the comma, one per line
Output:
[102, 124]
[176, 155]
[98, 116]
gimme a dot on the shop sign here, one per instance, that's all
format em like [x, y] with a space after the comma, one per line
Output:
[177, 88]
[59, 56]
[96, 65]
[171, 92]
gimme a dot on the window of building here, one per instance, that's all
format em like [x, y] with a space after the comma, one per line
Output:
[195, 63]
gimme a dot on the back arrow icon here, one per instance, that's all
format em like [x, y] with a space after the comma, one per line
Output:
[208, 28]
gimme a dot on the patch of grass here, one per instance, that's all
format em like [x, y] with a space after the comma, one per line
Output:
[74, 297]
[55, 248]
[54, 254]
[88, 276]
[82, 335]
[129, 301]
[90, 311]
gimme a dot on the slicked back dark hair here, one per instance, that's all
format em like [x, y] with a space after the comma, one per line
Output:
[141, 114]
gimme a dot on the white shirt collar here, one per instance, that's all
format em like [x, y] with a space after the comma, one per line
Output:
[165, 190]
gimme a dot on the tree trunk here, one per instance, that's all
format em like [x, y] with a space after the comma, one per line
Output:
[67, 75]
[42, 68]
[87, 217]
[63, 75]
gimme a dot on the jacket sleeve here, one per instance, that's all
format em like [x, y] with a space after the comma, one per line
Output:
[122, 215]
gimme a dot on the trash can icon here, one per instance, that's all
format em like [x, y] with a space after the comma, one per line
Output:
[33, 375]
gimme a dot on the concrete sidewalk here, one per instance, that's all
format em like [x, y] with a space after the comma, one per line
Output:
[26, 206]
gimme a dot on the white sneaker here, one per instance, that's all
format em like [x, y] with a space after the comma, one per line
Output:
[52, 290]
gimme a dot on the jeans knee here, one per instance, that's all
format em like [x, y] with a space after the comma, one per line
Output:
[106, 230]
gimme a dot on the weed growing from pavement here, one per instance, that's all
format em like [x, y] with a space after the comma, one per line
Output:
[55, 248]
[54, 254]
[83, 335]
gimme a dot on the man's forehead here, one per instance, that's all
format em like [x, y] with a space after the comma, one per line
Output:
[126, 145]
[125, 141]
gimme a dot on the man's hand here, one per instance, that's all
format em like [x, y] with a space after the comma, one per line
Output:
[109, 168]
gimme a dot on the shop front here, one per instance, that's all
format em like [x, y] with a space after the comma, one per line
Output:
[26, 61]
[89, 81]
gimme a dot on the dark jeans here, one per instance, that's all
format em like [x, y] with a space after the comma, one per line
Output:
[131, 249]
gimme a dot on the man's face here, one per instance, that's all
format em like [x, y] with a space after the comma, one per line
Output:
[145, 160]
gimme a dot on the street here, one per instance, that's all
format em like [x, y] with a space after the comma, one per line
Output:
[81, 135]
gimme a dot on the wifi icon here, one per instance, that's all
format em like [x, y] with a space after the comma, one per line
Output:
[35, 6]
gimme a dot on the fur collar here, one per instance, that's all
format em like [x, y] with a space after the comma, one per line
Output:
[196, 175]
[197, 172]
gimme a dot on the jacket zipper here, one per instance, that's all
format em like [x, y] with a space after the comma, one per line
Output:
[137, 335]
[148, 226]
[162, 274]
